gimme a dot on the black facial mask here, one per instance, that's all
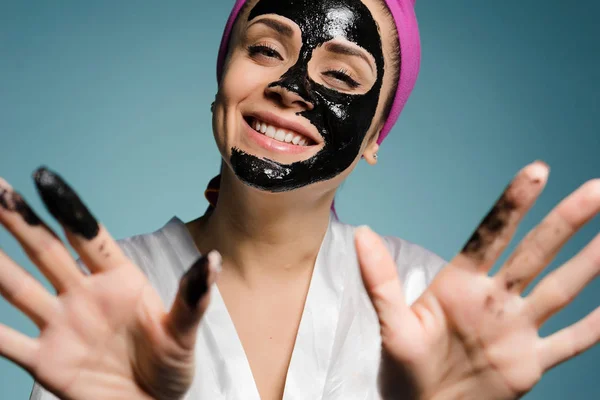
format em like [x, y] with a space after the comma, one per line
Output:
[342, 119]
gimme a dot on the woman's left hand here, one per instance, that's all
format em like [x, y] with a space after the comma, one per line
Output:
[473, 336]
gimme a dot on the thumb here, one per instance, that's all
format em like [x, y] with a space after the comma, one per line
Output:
[192, 299]
[380, 277]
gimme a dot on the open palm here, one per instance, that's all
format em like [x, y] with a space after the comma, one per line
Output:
[105, 335]
[471, 335]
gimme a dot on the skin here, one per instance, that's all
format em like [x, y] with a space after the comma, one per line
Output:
[107, 334]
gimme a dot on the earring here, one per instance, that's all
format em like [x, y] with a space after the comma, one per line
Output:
[212, 107]
[375, 156]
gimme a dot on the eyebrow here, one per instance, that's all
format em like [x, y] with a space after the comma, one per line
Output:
[340, 48]
[277, 26]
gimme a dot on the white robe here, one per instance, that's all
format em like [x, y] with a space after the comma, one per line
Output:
[337, 348]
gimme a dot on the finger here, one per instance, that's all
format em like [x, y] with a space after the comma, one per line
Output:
[563, 284]
[97, 249]
[22, 291]
[380, 278]
[498, 227]
[192, 299]
[18, 348]
[38, 241]
[542, 243]
[571, 341]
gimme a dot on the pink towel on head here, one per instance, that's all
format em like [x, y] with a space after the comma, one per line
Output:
[403, 12]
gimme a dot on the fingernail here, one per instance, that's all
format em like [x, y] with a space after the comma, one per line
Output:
[64, 204]
[215, 261]
[12, 201]
[538, 171]
[542, 163]
[5, 185]
[196, 282]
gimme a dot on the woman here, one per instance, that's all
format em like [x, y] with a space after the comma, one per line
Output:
[323, 71]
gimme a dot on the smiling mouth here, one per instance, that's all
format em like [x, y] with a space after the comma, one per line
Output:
[279, 134]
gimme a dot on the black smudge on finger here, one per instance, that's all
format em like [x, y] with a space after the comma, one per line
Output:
[510, 283]
[490, 228]
[195, 282]
[64, 204]
[13, 201]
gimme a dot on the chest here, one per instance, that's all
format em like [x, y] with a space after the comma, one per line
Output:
[267, 323]
[327, 349]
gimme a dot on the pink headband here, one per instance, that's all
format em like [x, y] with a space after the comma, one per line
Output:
[403, 12]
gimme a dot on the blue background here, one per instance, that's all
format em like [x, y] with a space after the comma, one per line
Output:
[115, 96]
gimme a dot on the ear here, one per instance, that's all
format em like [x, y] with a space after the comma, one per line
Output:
[372, 147]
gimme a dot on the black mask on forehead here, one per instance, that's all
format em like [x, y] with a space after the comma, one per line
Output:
[342, 119]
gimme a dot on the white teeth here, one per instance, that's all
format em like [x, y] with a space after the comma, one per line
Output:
[281, 132]
[280, 135]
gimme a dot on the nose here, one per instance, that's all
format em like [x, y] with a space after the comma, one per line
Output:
[288, 96]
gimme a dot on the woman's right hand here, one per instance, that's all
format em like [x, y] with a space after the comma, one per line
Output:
[106, 335]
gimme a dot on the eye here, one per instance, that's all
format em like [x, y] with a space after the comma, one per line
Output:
[266, 50]
[343, 76]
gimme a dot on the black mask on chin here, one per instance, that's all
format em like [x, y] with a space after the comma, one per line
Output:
[342, 119]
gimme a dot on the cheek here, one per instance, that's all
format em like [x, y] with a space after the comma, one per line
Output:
[244, 78]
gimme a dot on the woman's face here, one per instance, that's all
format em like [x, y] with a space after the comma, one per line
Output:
[303, 90]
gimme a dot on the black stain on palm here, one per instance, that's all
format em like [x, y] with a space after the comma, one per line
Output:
[511, 282]
[489, 303]
[13, 201]
[490, 228]
[195, 282]
[64, 204]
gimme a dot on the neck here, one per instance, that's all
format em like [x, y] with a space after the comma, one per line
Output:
[261, 233]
